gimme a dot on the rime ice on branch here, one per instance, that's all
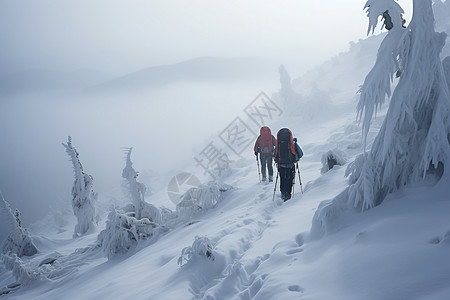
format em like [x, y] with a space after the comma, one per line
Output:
[377, 84]
[137, 191]
[19, 241]
[82, 192]
[414, 140]
[137, 222]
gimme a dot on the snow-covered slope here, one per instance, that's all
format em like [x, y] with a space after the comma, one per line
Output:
[261, 249]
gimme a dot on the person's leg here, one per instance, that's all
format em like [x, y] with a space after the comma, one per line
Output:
[283, 182]
[263, 166]
[270, 167]
[289, 180]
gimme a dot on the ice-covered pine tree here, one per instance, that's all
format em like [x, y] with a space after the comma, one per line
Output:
[414, 134]
[19, 241]
[414, 138]
[82, 192]
[138, 221]
[292, 101]
[137, 191]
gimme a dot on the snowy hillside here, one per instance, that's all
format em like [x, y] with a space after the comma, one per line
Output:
[228, 239]
[204, 69]
[261, 249]
[252, 237]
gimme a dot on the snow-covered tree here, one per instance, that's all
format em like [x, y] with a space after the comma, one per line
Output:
[377, 85]
[136, 191]
[413, 142]
[292, 101]
[19, 241]
[82, 192]
[136, 222]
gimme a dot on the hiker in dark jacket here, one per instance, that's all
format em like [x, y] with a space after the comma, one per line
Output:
[265, 146]
[287, 153]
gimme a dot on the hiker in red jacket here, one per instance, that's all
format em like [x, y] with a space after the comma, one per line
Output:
[265, 146]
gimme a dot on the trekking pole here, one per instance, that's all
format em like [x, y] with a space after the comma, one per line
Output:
[275, 188]
[259, 170]
[293, 182]
[293, 186]
[299, 178]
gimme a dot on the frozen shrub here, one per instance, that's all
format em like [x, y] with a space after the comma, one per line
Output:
[332, 158]
[168, 217]
[201, 248]
[151, 212]
[19, 241]
[140, 221]
[21, 271]
[82, 193]
[123, 232]
[198, 200]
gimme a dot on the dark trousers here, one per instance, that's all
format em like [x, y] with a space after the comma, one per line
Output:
[287, 173]
[266, 160]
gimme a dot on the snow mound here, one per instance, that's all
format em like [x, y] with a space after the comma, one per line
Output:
[201, 248]
[332, 158]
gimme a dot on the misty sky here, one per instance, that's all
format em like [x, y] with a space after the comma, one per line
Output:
[125, 36]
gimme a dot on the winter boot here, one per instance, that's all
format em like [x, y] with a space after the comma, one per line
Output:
[270, 178]
[285, 196]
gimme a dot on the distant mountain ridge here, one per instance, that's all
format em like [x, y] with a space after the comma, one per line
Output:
[197, 70]
[202, 69]
[42, 80]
